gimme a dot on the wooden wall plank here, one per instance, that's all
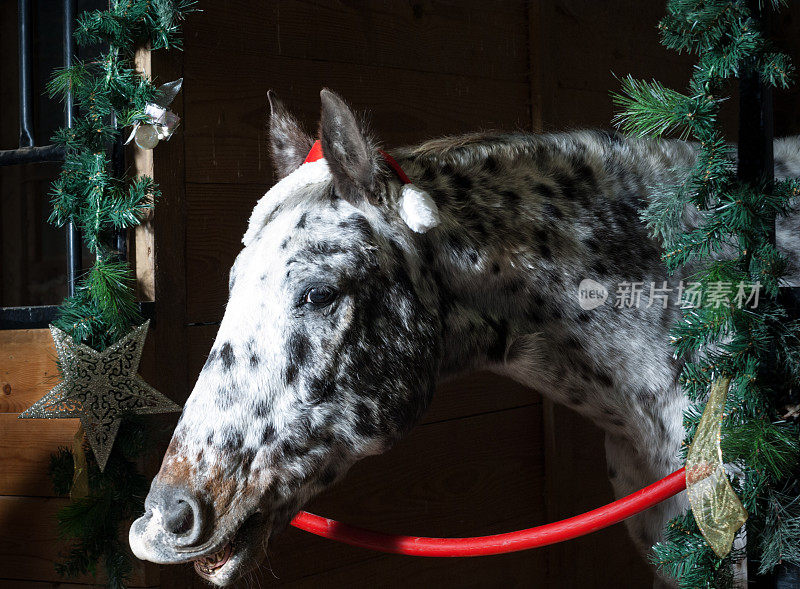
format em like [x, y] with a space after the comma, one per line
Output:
[215, 223]
[228, 136]
[142, 251]
[30, 546]
[449, 36]
[169, 225]
[18, 584]
[27, 368]
[25, 446]
[521, 569]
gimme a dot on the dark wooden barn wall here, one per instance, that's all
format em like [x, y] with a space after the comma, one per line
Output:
[490, 456]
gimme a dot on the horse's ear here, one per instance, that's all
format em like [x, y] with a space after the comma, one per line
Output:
[288, 142]
[353, 157]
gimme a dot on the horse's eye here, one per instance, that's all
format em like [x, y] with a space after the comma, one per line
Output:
[320, 295]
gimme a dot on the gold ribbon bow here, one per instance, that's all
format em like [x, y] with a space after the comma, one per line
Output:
[716, 508]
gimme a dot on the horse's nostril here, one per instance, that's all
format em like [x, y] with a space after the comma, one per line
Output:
[180, 512]
[180, 519]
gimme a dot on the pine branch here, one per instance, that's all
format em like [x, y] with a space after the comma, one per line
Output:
[731, 245]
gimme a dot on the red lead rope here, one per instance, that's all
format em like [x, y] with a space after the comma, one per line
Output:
[566, 529]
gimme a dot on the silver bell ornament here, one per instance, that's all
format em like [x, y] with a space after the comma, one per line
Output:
[161, 122]
[146, 136]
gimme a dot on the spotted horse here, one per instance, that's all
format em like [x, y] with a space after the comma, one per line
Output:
[349, 303]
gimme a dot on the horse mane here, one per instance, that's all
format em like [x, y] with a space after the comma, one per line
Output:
[470, 147]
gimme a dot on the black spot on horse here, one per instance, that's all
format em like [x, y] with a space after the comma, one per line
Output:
[566, 184]
[585, 175]
[603, 378]
[226, 354]
[598, 267]
[592, 244]
[268, 435]
[428, 174]
[540, 235]
[325, 248]
[262, 409]
[253, 360]
[321, 389]
[490, 165]
[290, 374]
[302, 222]
[552, 211]
[233, 441]
[511, 197]
[297, 348]
[461, 182]
[362, 226]
[544, 189]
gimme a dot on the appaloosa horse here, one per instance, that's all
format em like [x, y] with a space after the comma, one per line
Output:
[348, 305]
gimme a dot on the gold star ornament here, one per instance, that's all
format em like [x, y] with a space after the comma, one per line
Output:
[99, 388]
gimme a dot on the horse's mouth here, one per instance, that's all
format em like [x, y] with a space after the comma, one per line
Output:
[236, 556]
[207, 566]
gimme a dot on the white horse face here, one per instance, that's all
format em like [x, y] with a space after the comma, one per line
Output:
[327, 353]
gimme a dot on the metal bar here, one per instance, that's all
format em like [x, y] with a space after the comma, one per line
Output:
[31, 155]
[74, 261]
[25, 73]
[69, 50]
[41, 317]
[118, 170]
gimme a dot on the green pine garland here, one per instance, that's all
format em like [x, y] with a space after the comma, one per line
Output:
[109, 95]
[745, 344]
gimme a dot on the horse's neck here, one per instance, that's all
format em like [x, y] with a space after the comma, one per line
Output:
[522, 226]
[485, 292]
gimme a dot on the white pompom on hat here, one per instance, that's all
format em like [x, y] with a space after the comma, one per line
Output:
[418, 209]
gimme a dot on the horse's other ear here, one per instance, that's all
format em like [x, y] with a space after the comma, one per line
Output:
[288, 142]
[353, 157]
